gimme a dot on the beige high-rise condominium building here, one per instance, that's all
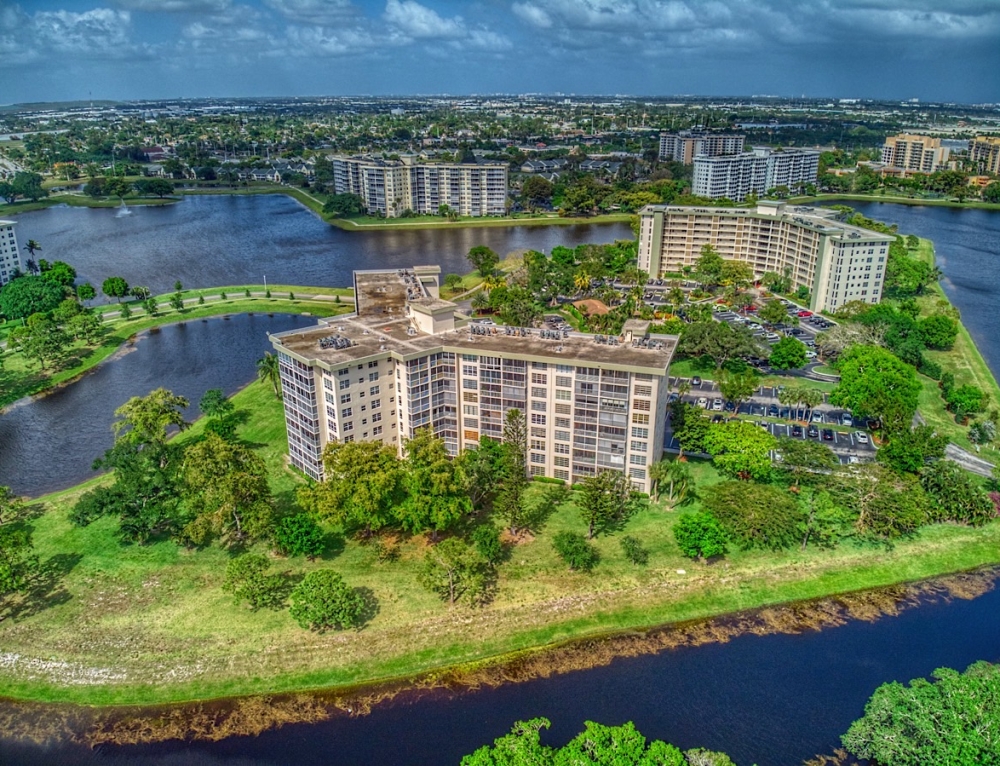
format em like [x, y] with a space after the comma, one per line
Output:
[910, 152]
[10, 256]
[687, 144]
[407, 360]
[985, 152]
[390, 187]
[837, 263]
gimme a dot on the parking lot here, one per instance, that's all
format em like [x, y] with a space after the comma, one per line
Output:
[835, 427]
[808, 327]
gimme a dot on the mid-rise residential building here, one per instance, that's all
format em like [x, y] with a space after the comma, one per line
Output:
[10, 256]
[391, 187]
[911, 152]
[685, 145]
[737, 176]
[836, 262]
[985, 152]
[408, 360]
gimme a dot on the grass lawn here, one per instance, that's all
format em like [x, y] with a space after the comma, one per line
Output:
[150, 623]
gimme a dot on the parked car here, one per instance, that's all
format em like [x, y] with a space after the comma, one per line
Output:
[695, 381]
[772, 411]
[805, 313]
[861, 437]
[810, 354]
[773, 337]
[703, 402]
[717, 405]
[828, 434]
[813, 432]
[817, 416]
[797, 432]
[847, 420]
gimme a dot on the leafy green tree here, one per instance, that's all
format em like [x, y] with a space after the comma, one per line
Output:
[774, 312]
[176, 302]
[456, 572]
[86, 326]
[741, 449]
[719, 340]
[115, 287]
[59, 272]
[699, 535]
[605, 500]
[699, 756]
[483, 259]
[755, 515]
[954, 496]
[40, 339]
[689, 425]
[362, 488]
[737, 387]
[125, 312]
[28, 185]
[486, 539]
[483, 470]
[672, 478]
[86, 292]
[709, 265]
[299, 535]
[965, 401]
[536, 191]
[519, 308]
[788, 354]
[633, 550]
[992, 193]
[247, 579]
[344, 205]
[874, 383]
[574, 549]
[883, 505]
[323, 601]
[225, 488]
[522, 747]
[215, 404]
[22, 297]
[436, 490]
[953, 719]
[18, 562]
[452, 281]
[938, 331]
[603, 745]
[510, 500]
[908, 450]
[269, 371]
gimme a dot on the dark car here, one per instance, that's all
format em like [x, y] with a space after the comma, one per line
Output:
[828, 434]
[772, 411]
[695, 381]
[717, 418]
[797, 432]
[813, 432]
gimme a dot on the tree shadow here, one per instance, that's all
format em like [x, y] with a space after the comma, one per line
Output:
[537, 515]
[370, 607]
[45, 589]
[283, 583]
[333, 546]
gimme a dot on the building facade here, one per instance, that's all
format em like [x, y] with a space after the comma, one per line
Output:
[837, 263]
[985, 152]
[406, 360]
[10, 256]
[390, 187]
[911, 152]
[737, 176]
[685, 145]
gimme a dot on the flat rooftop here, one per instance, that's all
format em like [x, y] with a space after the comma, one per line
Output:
[384, 293]
[352, 338]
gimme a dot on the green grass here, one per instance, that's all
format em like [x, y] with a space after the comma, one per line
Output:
[146, 624]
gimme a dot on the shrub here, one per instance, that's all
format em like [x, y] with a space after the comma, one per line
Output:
[299, 535]
[699, 536]
[323, 601]
[247, 580]
[574, 549]
[486, 539]
[633, 550]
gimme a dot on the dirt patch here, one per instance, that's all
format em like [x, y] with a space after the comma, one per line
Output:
[592, 306]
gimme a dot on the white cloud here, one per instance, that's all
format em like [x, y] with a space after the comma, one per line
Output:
[101, 33]
[321, 12]
[175, 6]
[419, 21]
[532, 14]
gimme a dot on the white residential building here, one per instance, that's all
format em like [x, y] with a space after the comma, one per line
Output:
[407, 360]
[687, 144]
[837, 263]
[737, 176]
[390, 187]
[10, 256]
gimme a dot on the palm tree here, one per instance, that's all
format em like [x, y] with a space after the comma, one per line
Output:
[676, 475]
[31, 247]
[268, 371]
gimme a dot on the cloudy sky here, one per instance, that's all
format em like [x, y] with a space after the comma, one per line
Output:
[120, 49]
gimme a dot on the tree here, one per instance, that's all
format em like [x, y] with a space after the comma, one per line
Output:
[605, 499]
[25, 296]
[225, 488]
[774, 312]
[362, 489]
[953, 495]
[953, 719]
[486, 539]
[699, 535]
[788, 354]
[436, 490]
[992, 193]
[633, 550]
[138, 292]
[147, 419]
[40, 339]
[574, 549]
[672, 478]
[908, 450]
[689, 426]
[738, 387]
[18, 563]
[741, 449]
[59, 272]
[483, 470]
[299, 535]
[874, 383]
[28, 185]
[755, 515]
[215, 404]
[323, 601]
[176, 302]
[86, 292]
[456, 572]
[483, 259]
[606, 745]
[805, 461]
[883, 505]
[125, 312]
[269, 371]
[32, 246]
[509, 503]
[522, 747]
[709, 265]
[115, 287]
[86, 326]
[938, 331]
[247, 579]
[719, 340]
[519, 308]
[965, 401]
[452, 281]
[536, 191]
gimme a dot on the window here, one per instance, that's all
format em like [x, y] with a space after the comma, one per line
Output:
[638, 446]
[564, 381]
[377, 431]
[376, 417]
[345, 384]
[537, 419]
[564, 396]
[346, 412]
[470, 383]
[539, 378]
[374, 391]
[348, 439]
[640, 404]
[468, 396]
[372, 365]
[537, 444]
[561, 461]
[470, 409]
[470, 358]
[643, 390]
[343, 371]
[562, 449]
[348, 427]
[564, 475]
[637, 459]
[536, 470]
[539, 366]
[640, 419]
[538, 433]
[537, 458]
[538, 406]
[562, 423]
[640, 433]
[563, 409]
[376, 404]
[469, 370]
[637, 473]
[539, 393]
[345, 398]
[372, 377]
[562, 436]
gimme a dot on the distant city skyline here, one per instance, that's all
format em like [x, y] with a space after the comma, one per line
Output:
[59, 50]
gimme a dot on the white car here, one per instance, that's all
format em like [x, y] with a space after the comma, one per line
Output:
[861, 437]
[810, 354]
[703, 402]
[817, 416]
[847, 420]
[717, 405]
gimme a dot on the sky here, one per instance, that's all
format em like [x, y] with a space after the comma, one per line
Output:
[933, 50]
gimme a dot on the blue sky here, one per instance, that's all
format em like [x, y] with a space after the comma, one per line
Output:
[121, 49]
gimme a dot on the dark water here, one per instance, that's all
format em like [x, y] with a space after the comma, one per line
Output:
[967, 244]
[212, 240]
[769, 700]
[49, 443]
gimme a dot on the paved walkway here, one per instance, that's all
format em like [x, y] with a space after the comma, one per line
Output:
[348, 299]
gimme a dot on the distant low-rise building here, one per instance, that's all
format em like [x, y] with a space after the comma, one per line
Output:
[984, 151]
[912, 152]
[737, 176]
[685, 145]
[10, 256]
[836, 262]
[390, 187]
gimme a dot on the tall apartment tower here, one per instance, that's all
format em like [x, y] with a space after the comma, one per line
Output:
[837, 263]
[985, 152]
[408, 360]
[10, 256]
[685, 145]
[910, 152]
[738, 176]
[390, 187]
